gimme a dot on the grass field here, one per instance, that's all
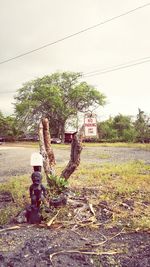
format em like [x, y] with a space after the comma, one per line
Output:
[131, 145]
[124, 188]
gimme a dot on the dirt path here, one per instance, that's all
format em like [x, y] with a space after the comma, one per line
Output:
[15, 161]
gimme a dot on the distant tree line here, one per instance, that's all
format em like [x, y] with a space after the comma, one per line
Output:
[122, 128]
[8, 127]
[60, 97]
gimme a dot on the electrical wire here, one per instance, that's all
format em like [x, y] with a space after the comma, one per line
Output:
[75, 34]
[118, 65]
[106, 70]
[116, 68]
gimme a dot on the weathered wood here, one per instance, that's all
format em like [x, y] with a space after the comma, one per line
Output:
[45, 147]
[47, 143]
[74, 161]
[48, 155]
[42, 150]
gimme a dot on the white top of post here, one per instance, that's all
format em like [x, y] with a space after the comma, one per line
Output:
[36, 159]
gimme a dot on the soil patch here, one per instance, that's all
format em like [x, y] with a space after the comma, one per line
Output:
[5, 198]
[35, 246]
[80, 238]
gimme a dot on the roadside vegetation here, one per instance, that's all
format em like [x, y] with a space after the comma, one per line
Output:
[144, 146]
[123, 188]
[63, 99]
[14, 197]
[119, 194]
[119, 144]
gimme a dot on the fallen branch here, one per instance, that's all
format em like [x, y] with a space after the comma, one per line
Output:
[107, 239]
[92, 210]
[16, 227]
[81, 237]
[98, 253]
[87, 252]
[52, 220]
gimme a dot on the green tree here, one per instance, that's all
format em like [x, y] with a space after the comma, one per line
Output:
[2, 124]
[124, 127]
[119, 128]
[106, 130]
[142, 126]
[8, 127]
[57, 97]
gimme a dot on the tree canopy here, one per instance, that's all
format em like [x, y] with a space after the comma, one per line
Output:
[142, 126]
[57, 97]
[119, 128]
[8, 127]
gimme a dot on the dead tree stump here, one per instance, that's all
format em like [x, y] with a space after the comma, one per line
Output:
[74, 161]
[45, 147]
[48, 155]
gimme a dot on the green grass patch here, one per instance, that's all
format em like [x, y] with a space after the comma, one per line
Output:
[67, 146]
[18, 191]
[119, 144]
[117, 184]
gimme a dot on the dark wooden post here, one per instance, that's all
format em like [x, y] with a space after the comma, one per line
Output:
[74, 161]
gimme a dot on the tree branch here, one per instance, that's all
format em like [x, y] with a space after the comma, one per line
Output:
[74, 162]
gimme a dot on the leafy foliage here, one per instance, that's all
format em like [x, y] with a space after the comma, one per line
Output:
[122, 128]
[106, 130]
[56, 184]
[9, 127]
[142, 126]
[56, 97]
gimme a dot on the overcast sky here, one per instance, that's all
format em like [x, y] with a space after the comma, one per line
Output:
[29, 24]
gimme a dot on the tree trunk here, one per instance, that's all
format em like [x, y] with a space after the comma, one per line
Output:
[48, 155]
[47, 142]
[42, 150]
[74, 162]
[45, 147]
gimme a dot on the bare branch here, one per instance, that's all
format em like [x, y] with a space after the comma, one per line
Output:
[74, 162]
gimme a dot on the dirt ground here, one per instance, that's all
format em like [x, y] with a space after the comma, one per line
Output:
[33, 246]
[72, 245]
[15, 160]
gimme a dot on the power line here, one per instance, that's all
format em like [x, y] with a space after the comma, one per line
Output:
[74, 34]
[115, 68]
[106, 70]
[118, 65]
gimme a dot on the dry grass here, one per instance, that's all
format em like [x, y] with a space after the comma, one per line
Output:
[117, 184]
[18, 189]
[121, 144]
[67, 146]
[125, 188]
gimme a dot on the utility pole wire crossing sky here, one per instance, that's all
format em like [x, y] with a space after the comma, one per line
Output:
[106, 70]
[115, 68]
[116, 40]
[75, 34]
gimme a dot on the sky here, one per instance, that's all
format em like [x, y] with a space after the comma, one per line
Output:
[26, 25]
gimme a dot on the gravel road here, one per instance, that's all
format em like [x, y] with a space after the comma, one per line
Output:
[15, 161]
